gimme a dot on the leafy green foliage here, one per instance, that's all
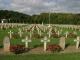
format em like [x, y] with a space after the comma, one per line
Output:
[55, 18]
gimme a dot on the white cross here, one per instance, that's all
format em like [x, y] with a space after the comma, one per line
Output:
[77, 40]
[42, 23]
[38, 29]
[45, 40]
[26, 40]
[32, 28]
[61, 30]
[49, 25]
[31, 34]
[20, 32]
[44, 29]
[58, 33]
[10, 34]
[67, 34]
[40, 33]
[55, 29]
[50, 32]
[26, 29]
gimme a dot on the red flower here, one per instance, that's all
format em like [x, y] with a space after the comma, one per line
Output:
[54, 47]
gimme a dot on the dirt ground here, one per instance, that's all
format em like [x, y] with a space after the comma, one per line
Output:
[69, 49]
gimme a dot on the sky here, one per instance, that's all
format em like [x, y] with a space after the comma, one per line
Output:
[40, 6]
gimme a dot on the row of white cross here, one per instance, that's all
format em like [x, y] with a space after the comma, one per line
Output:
[49, 33]
[20, 33]
[45, 40]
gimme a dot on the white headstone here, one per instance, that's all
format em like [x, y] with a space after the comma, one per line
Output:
[26, 40]
[77, 40]
[62, 42]
[45, 41]
[6, 44]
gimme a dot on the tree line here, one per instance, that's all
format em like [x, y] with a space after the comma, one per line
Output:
[55, 18]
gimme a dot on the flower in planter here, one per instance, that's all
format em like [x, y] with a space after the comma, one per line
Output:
[17, 49]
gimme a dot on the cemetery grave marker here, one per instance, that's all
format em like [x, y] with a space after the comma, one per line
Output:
[10, 34]
[26, 40]
[62, 42]
[58, 33]
[30, 34]
[77, 40]
[20, 32]
[55, 29]
[40, 33]
[6, 44]
[75, 32]
[66, 34]
[45, 41]
[42, 24]
[50, 32]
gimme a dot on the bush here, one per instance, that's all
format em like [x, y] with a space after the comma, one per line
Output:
[18, 49]
[54, 48]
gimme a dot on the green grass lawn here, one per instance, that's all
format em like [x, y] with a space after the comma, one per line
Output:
[34, 42]
[72, 56]
[37, 42]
